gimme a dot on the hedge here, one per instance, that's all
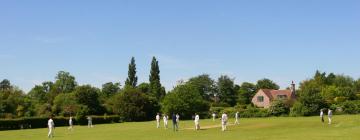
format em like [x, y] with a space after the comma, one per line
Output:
[41, 122]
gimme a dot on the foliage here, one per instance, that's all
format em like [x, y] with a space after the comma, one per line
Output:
[226, 91]
[154, 79]
[266, 84]
[185, 100]
[88, 96]
[133, 105]
[131, 81]
[204, 84]
[278, 108]
[246, 93]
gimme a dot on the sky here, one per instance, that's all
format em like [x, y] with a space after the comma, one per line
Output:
[283, 40]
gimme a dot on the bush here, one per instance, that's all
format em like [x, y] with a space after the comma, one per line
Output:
[41, 122]
[185, 100]
[279, 108]
[133, 105]
[351, 107]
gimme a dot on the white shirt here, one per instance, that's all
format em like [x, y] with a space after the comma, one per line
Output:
[51, 123]
[70, 121]
[158, 117]
[213, 114]
[321, 114]
[330, 113]
[236, 115]
[197, 118]
[224, 117]
[165, 118]
[177, 118]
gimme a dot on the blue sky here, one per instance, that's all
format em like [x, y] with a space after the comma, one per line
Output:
[283, 40]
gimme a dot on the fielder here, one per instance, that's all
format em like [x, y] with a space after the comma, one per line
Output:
[90, 124]
[213, 116]
[197, 119]
[157, 120]
[322, 115]
[224, 119]
[330, 115]
[51, 126]
[237, 118]
[70, 124]
[165, 118]
[175, 122]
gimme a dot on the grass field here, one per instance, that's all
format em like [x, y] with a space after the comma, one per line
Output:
[344, 127]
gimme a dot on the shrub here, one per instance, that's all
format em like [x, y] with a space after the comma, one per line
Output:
[41, 122]
[351, 107]
[278, 108]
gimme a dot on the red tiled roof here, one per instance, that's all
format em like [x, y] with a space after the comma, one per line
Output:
[272, 94]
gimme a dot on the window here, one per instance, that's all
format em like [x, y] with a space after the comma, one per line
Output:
[281, 96]
[260, 98]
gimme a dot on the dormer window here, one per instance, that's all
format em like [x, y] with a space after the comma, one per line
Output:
[281, 96]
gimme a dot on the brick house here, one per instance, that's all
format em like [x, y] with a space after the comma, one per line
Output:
[264, 97]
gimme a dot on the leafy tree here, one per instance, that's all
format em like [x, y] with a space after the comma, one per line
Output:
[110, 88]
[88, 96]
[65, 83]
[144, 88]
[310, 99]
[204, 84]
[246, 93]
[5, 85]
[154, 78]
[226, 91]
[266, 84]
[133, 105]
[279, 107]
[131, 81]
[65, 104]
[185, 100]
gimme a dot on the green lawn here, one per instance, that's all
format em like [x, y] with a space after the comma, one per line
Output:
[344, 127]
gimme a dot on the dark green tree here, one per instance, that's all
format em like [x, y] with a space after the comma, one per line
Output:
[5, 85]
[154, 78]
[226, 91]
[65, 83]
[89, 96]
[144, 88]
[109, 89]
[204, 84]
[266, 84]
[131, 81]
[246, 93]
[133, 105]
[185, 100]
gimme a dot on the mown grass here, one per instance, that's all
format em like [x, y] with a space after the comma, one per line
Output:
[344, 127]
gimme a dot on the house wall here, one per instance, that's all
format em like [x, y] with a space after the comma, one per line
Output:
[265, 103]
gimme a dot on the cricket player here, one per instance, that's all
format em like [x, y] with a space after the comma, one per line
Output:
[70, 124]
[237, 118]
[330, 115]
[175, 122]
[197, 119]
[213, 116]
[322, 115]
[224, 119]
[157, 120]
[51, 126]
[90, 125]
[165, 118]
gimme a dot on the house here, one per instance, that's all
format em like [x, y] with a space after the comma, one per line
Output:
[264, 97]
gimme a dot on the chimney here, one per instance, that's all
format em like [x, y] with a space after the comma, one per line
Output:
[292, 88]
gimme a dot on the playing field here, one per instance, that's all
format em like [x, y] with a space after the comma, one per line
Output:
[344, 127]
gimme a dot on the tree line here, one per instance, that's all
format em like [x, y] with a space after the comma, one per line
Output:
[200, 94]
